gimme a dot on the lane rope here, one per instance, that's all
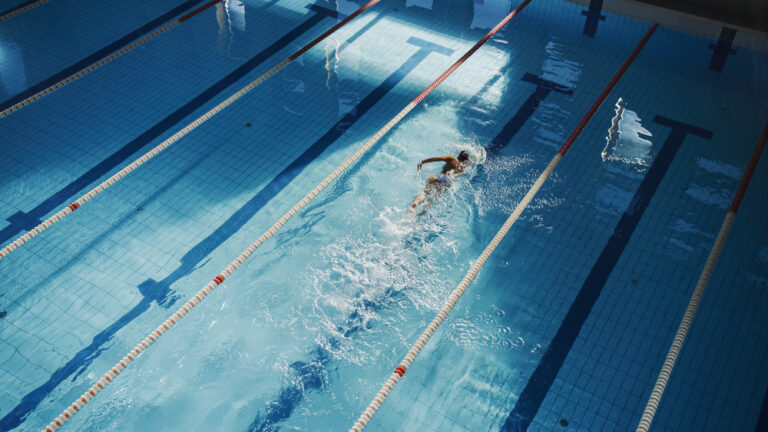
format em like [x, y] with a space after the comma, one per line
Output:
[170, 141]
[698, 292]
[39, 95]
[401, 368]
[234, 265]
[21, 10]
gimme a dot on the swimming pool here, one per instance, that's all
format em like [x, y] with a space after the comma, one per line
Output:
[303, 335]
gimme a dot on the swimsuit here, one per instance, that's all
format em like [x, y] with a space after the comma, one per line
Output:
[442, 178]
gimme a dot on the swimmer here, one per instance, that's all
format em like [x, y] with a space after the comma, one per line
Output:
[437, 183]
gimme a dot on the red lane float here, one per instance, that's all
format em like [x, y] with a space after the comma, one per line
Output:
[606, 91]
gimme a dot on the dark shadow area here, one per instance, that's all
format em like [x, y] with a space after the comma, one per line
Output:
[745, 13]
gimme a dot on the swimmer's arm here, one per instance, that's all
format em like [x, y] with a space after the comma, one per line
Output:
[445, 159]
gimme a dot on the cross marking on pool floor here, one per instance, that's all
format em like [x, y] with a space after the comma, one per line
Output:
[593, 17]
[513, 126]
[161, 291]
[541, 380]
[150, 290]
[722, 49]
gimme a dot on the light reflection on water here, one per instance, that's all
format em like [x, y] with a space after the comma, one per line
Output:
[628, 141]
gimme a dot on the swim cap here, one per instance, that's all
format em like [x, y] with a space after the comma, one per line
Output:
[463, 156]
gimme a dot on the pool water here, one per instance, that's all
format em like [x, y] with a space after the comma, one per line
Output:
[597, 272]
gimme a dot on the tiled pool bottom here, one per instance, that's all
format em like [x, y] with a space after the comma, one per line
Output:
[172, 223]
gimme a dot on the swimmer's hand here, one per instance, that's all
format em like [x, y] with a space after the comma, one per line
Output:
[418, 168]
